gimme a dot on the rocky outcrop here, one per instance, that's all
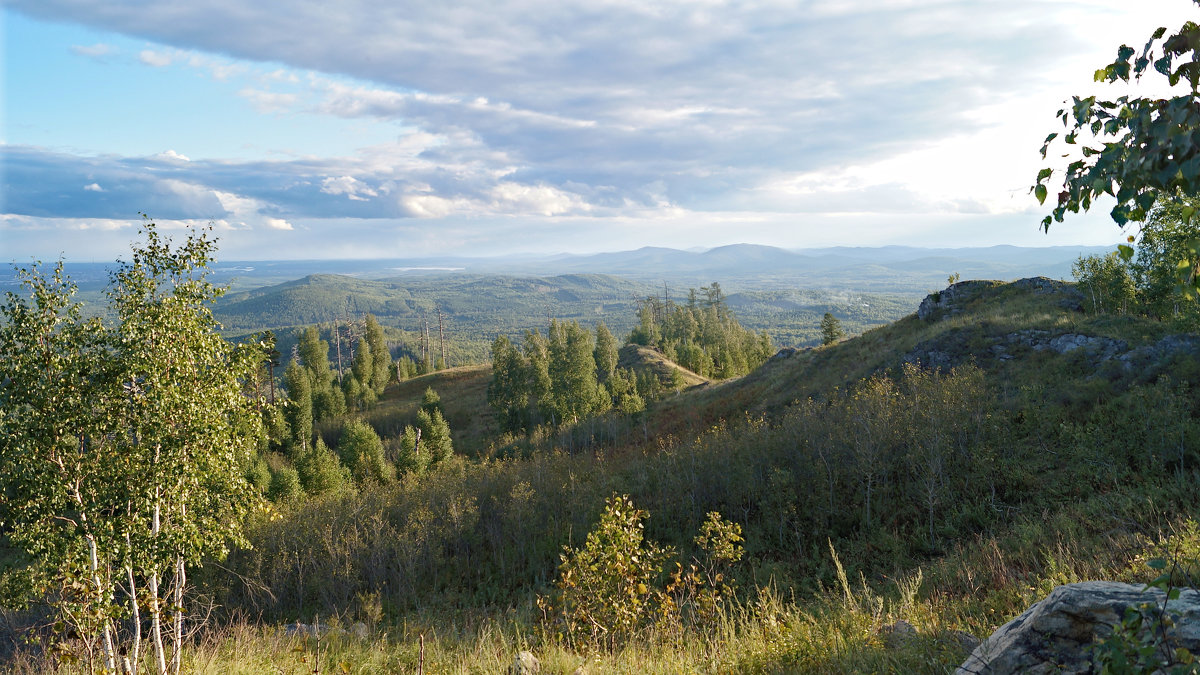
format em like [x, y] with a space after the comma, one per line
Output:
[954, 300]
[785, 353]
[947, 303]
[952, 350]
[1057, 634]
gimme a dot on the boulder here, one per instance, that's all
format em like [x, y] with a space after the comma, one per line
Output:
[1057, 634]
[525, 664]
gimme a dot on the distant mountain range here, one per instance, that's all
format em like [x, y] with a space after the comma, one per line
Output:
[896, 269]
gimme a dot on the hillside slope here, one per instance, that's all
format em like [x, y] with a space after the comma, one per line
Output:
[946, 469]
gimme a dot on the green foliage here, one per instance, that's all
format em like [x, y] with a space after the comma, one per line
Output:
[1146, 279]
[1166, 250]
[299, 410]
[123, 447]
[435, 436]
[606, 353]
[572, 369]
[405, 368]
[551, 379]
[409, 458]
[259, 475]
[1143, 149]
[831, 329]
[610, 589]
[381, 358]
[328, 401]
[616, 587]
[361, 452]
[702, 335]
[1106, 282]
[284, 485]
[319, 470]
[431, 402]
[1143, 642]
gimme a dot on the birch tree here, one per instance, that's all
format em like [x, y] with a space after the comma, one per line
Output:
[123, 449]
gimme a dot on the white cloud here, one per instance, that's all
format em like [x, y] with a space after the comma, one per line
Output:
[539, 200]
[97, 51]
[277, 224]
[823, 111]
[154, 59]
[172, 156]
[349, 186]
[269, 101]
[93, 187]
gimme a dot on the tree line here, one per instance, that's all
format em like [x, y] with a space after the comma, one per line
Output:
[561, 377]
[1154, 278]
[701, 335]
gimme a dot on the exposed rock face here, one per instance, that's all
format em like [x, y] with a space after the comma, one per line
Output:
[949, 351]
[785, 353]
[1056, 634]
[947, 303]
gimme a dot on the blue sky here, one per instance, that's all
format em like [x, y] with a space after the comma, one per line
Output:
[370, 128]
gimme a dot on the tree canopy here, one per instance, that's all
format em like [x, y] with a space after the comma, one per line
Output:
[1139, 150]
[123, 446]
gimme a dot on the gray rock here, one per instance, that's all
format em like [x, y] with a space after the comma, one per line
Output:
[1056, 634]
[964, 640]
[898, 634]
[525, 664]
[947, 303]
[306, 629]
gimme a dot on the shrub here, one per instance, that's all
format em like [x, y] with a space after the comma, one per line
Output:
[285, 484]
[607, 590]
[320, 471]
[614, 587]
[361, 452]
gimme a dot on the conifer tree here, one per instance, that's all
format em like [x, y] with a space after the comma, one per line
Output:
[606, 353]
[300, 406]
[435, 436]
[361, 451]
[381, 358]
[831, 329]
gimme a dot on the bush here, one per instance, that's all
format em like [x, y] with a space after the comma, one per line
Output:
[608, 590]
[615, 586]
[259, 474]
[285, 484]
[361, 452]
[320, 471]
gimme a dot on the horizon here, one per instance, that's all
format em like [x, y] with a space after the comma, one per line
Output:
[487, 129]
[560, 255]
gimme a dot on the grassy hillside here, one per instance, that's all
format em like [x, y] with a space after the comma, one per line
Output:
[945, 471]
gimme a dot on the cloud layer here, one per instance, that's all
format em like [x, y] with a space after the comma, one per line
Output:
[582, 111]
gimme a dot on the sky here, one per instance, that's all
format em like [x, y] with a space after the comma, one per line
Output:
[378, 129]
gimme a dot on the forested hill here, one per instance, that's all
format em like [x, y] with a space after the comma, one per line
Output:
[475, 308]
[476, 303]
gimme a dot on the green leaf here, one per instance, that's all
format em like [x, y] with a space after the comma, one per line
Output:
[1126, 253]
[1040, 193]
[1154, 563]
